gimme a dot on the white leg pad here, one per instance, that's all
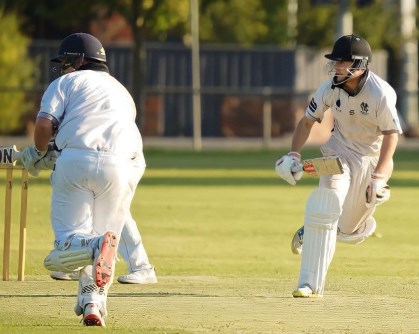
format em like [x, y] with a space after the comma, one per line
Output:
[320, 224]
[359, 236]
[72, 253]
[68, 260]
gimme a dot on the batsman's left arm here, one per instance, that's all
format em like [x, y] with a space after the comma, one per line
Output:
[378, 191]
[385, 160]
[44, 132]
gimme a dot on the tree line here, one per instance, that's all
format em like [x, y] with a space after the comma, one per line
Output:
[244, 22]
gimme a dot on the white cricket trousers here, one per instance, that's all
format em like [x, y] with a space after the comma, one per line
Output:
[91, 194]
[131, 247]
[350, 186]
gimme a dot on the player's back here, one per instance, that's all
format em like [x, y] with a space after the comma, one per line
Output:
[99, 114]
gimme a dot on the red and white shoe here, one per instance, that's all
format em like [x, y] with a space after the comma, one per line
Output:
[104, 263]
[92, 316]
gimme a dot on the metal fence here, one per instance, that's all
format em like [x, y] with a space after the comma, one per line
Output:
[236, 85]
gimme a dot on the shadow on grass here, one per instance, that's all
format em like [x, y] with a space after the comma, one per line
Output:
[405, 160]
[159, 294]
[117, 295]
[246, 182]
[233, 181]
[37, 296]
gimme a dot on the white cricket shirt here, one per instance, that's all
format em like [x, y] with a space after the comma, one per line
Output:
[93, 111]
[360, 120]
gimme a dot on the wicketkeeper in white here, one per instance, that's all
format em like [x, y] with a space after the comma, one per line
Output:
[92, 117]
[364, 137]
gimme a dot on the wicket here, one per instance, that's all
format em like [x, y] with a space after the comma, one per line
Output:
[8, 220]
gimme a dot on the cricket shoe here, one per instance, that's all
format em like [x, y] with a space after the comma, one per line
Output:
[297, 241]
[104, 263]
[305, 291]
[142, 276]
[92, 316]
[61, 276]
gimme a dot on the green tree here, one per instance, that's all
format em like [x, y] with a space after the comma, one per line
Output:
[149, 20]
[17, 74]
[379, 23]
[376, 22]
[249, 22]
[232, 22]
[316, 23]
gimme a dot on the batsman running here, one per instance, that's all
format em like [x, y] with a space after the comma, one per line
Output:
[364, 137]
[92, 118]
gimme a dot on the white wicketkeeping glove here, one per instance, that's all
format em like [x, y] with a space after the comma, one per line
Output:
[378, 190]
[30, 156]
[283, 167]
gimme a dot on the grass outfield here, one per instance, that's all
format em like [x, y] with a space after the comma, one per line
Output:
[217, 226]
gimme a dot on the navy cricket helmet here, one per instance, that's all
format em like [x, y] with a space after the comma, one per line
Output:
[79, 45]
[350, 48]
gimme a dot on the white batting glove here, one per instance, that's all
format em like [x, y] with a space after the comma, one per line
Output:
[47, 162]
[378, 191]
[283, 167]
[30, 156]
